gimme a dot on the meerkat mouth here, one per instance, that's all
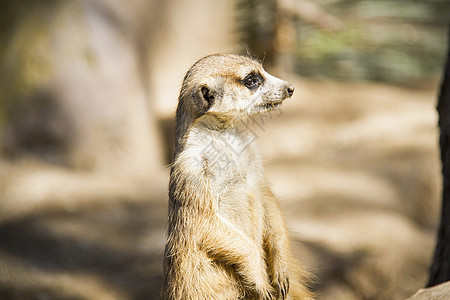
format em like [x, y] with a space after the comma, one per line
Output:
[268, 106]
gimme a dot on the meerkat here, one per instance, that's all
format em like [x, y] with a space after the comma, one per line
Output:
[226, 237]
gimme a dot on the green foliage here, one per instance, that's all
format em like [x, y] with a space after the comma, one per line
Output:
[401, 42]
[24, 60]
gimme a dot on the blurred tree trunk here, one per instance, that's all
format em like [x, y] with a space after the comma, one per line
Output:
[257, 29]
[77, 116]
[73, 89]
[268, 28]
[440, 268]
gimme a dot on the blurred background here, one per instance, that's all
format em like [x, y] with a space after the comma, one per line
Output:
[88, 90]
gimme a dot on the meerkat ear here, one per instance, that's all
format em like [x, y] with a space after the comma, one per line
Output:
[203, 98]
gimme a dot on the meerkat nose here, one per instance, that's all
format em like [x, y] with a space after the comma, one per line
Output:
[290, 89]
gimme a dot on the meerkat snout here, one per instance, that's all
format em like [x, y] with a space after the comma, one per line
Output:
[290, 90]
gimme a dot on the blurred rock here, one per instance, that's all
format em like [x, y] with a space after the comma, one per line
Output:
[439, 292]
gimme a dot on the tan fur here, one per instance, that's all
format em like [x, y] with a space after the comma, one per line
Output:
[226, 237]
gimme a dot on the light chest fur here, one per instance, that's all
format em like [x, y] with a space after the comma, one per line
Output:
[230, 160]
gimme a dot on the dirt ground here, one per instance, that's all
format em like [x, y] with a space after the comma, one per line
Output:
[355, 166]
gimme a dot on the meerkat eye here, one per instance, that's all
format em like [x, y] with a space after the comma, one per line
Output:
[252, 81]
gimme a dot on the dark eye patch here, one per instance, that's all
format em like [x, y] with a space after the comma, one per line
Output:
[252, 80]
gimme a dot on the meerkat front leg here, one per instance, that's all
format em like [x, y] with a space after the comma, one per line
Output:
[223, 242]
[276, 245]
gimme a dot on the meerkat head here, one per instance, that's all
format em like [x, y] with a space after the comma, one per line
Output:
[229, 88]
[232, 86]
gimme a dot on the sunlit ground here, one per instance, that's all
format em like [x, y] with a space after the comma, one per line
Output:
[355, 167]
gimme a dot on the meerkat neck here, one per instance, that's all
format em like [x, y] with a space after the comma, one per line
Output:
[215, 124]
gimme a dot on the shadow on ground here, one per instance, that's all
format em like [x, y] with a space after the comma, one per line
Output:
[99, 252]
